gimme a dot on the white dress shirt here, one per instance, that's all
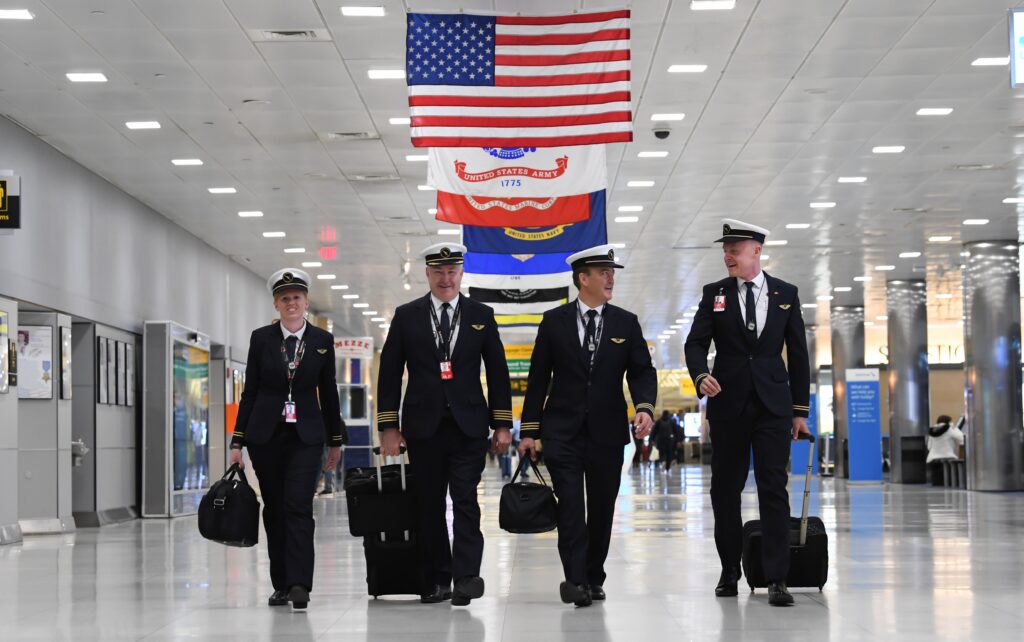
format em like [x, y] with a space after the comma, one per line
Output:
[760, 299]
[297, 335]
[438, 305]
[581, 309]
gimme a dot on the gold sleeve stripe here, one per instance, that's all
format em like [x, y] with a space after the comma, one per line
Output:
[238, 434]
[644, 406]
[801, 407]
[701, 376]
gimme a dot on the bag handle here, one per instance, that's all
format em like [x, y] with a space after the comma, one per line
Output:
[522, 465]
[235, 470]
[379, 457]
[807, 488]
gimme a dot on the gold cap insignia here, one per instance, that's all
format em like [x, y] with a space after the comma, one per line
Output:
[445, 252]
[287, 277]
[726, 229]
[611, 255]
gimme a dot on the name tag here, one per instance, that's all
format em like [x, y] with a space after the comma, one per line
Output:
[720, 303]
[289, 412]
[446, 370]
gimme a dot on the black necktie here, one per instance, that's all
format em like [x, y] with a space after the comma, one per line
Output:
[290, 344]
[588, 337]
[446, 325]
[751, 312]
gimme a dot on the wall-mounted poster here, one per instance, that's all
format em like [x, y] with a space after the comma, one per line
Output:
[101, 368]
[111, 372]
[3, 352]
[129, 374]
[121, 369]
[35, 354]
[65, 362]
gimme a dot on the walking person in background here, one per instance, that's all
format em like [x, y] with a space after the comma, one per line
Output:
[664, 439]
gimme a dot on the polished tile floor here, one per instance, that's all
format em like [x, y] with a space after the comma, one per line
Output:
[907, 563]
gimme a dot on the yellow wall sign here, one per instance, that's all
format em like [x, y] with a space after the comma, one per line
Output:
[687, 387]
[518, 350]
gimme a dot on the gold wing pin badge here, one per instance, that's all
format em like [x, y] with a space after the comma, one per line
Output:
[784, 306]
[322, 350]
[618, 340]
[478, 327]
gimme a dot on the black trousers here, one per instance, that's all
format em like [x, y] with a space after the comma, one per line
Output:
[288, 470]
[576, 466]
[769, 436]
[449, 463]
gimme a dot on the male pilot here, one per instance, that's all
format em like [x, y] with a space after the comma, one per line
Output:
[583, 350]
[441, 339]
[753, 403]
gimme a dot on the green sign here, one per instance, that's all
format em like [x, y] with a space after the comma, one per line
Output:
[518, 366]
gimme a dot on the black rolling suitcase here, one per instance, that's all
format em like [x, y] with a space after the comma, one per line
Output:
[808, 546]
[382, 509]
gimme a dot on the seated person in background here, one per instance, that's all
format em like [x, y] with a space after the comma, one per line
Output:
[943, 441]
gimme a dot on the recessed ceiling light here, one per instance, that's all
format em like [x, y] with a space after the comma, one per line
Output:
[884, 268]
[712, 5]
[640, 184]
[909, 255]
[450, 231]
[882, 317]
[976, 221]
[378, 320]
[627, 219]
[426, 188]
[183, 162]
[360, 305]
[340, 287]
[797, 226]
[350, 296]
[222, 190]
[1013, 200]
[668, 332]
[862, 279]
[386, 74]
[90, 76]
[369, 313]
[935, 111]
[825, 297]
[939, 239]
[404, 120]
[417, 158]
[619, 246]
[676, 116]
[142, 124]
[657, 154]
[363, 12]
[274, 235]
[252, 214]
[809, 305]
[944, 295]
[16, 14]
[432, 210]
[687, 69]
[326, 277]
[631, 208]
[843, 288]
[294, 250]
[384, 326]
[852, 179]
[822, 205]
[888, 149]
[869, 324]
[776, 242]
[991, 62]
[676, 326]
[311, 264]
[689, 315]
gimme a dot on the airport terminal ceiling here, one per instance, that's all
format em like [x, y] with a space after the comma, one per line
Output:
[786, 105]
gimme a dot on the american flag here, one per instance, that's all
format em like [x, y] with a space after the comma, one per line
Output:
[519, 81]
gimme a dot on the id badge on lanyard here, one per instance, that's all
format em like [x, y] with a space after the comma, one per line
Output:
[446, 371]
[720, 302]
[447, 374]
[289, 412]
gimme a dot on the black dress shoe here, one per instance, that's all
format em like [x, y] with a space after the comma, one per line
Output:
[778, 595]
[279, 598]
[299, 597]
[575, 594]
[727, 583]
[597, 592]
[466, 589]
[437, 595]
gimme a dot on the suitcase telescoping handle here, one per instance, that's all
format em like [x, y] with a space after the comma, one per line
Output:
[380, 480]
[807, 489]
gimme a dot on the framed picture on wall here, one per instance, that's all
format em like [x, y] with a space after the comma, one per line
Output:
[129, 374]
[111, 372]
[101, 369]
[4, 351]
[35, 362]
[65, 363]
[121, 370]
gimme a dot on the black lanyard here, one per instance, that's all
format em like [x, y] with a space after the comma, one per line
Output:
[442, 343]
[292, 365]
[597, 332]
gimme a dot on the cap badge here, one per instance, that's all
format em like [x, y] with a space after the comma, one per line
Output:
[445, 252]
[611, 255]
[726, 229]
[287, 277]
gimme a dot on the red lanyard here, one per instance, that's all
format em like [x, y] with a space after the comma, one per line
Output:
[293, 365]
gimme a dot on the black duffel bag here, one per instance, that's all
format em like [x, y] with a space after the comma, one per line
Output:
[229, 512]
[528, 507]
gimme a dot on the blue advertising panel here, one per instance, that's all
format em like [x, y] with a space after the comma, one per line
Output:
[864, 424]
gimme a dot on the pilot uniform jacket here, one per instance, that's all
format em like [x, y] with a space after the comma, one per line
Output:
[411, 344]
[744, 364]
[314, 390]
[581, 396]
